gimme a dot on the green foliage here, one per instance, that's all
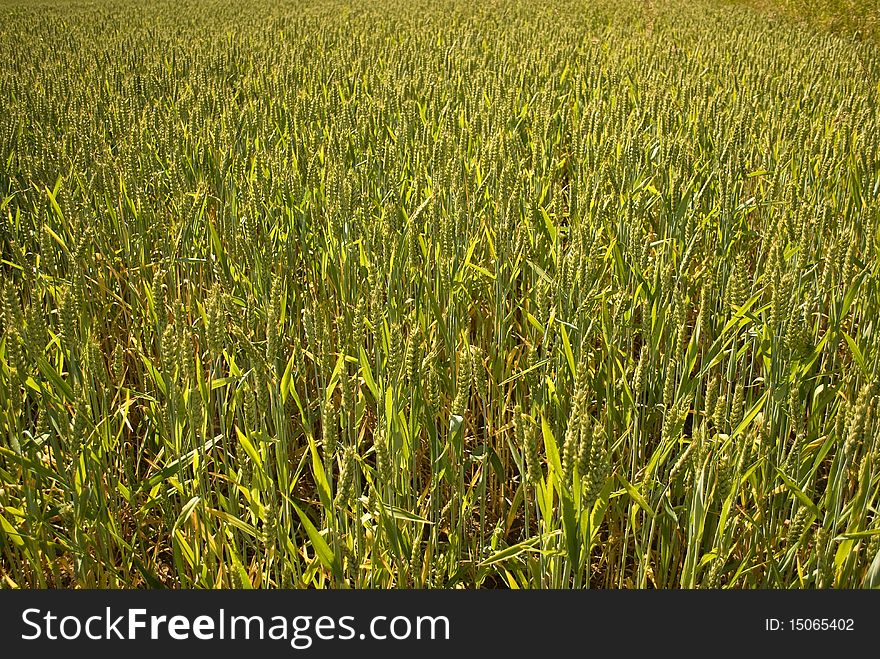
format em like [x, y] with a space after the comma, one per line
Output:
[418, 294]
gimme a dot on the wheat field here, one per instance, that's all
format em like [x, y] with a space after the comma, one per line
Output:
[411, 294]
